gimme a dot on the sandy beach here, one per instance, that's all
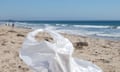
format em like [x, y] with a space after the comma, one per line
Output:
[104, 53]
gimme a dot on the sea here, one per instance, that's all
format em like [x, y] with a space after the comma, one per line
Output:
[98, 29]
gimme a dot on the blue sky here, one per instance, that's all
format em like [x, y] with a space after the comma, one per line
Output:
[60, 9]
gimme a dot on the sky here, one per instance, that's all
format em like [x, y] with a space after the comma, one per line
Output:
[60, 9]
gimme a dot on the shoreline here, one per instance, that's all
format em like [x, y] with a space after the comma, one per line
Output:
[94, 31]
[93, 36]
[104, 53]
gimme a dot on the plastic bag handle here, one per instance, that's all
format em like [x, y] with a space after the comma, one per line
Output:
[56, 37]
[63, 44]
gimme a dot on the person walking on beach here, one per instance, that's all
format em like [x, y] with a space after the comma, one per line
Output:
[13, 25]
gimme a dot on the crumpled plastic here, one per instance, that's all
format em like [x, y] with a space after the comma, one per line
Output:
[45, 56]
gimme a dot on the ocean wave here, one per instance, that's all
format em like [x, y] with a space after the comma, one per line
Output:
[109, 35]
[91, 26]
[118, 27]
[90, 33]
[65, 25]
[75, 32]
[96, 26]
[51, 27]
[114, 27]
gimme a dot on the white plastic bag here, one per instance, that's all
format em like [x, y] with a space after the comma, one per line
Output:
[53, 57]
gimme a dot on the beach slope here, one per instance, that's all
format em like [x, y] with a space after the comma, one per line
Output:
[104, 53]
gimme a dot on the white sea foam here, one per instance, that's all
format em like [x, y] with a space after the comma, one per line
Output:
[51, 27]
[109, 35]
[118, 27]
[91, 26]
[64, 25]
[58, 24]
[75, 32]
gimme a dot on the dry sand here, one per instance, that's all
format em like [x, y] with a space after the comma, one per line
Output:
[104, 53]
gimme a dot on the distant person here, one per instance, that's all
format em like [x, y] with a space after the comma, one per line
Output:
[13, 25]
[7, 24]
